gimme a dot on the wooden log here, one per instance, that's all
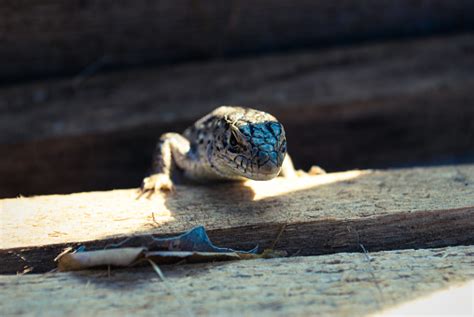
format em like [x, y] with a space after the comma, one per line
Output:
[343, 284]
[382, 105]
[52, 37]
[410, 208]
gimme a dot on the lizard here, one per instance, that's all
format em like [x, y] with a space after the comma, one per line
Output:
[230, 143]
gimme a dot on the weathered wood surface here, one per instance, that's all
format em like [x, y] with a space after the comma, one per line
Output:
[57, 37]
[408, 208]
[343, 284]
[282, 83]
[360, 107]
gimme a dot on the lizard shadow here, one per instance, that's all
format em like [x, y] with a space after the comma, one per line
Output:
[260, 210]
[228, 198]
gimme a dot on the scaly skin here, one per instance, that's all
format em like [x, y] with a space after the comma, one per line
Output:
[230, 143]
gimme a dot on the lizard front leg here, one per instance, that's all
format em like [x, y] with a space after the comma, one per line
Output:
[171, 150]
[287, 168]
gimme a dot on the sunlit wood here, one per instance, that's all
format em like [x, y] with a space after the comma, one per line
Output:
[381, 210]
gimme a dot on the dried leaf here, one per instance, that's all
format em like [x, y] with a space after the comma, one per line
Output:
[172, 257]
[192, 246]
[88, 259]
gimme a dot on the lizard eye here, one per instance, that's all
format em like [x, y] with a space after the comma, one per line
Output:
[233, 140]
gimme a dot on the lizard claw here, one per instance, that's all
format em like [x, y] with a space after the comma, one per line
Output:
[156, 183]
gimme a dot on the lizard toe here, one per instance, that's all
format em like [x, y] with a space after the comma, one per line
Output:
[162, 182]
[157, 183]
[316, 170]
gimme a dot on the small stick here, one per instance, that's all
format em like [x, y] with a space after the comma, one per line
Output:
[170, 288]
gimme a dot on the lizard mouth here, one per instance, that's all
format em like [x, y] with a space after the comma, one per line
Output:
[256, 169]
[263, 176]
[266, 171]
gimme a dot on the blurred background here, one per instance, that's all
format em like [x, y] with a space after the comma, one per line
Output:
[87, 86]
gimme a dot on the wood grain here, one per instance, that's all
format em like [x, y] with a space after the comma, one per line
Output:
[54, 37]
[395, 209]
[343, 284]
[390, 104]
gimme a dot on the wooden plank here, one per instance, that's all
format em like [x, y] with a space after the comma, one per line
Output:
[278, 83]
[408, 208]
[360, 107]
[108, 34]
[343, 284]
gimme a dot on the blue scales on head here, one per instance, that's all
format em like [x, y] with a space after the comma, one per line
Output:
[266, 139]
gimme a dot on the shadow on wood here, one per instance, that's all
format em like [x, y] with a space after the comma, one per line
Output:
[412, 208]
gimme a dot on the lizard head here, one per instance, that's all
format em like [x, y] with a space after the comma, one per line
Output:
[248, 143]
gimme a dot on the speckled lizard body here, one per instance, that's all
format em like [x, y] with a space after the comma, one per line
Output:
[230, 143]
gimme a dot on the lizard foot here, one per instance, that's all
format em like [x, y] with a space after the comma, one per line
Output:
[316, 170]
[155, 183]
